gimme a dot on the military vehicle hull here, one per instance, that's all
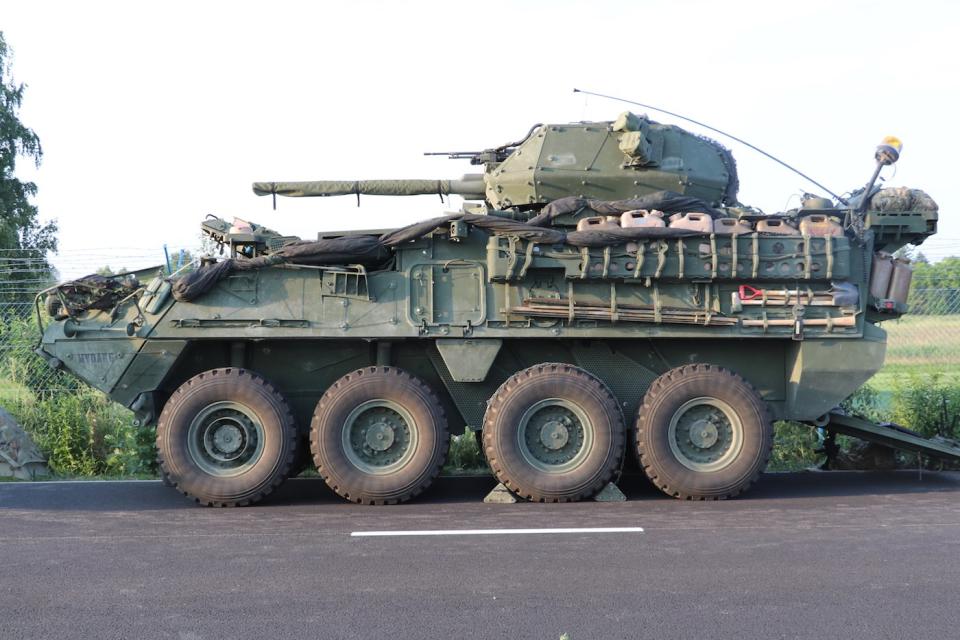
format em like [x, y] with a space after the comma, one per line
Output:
[566, 348]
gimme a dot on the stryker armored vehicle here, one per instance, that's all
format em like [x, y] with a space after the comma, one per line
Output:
[601, 294]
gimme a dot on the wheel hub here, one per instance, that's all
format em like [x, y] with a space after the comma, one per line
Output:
[554, 434]
[704, 434]
[380, 436]
[225, 439]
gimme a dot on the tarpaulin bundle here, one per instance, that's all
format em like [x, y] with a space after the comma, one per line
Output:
[365, 250]
[541, 234]
[534, 232]
[195, 283]
[666, 201]
[370, 250]
[95, 292]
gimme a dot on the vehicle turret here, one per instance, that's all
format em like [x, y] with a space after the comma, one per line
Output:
[629, 157]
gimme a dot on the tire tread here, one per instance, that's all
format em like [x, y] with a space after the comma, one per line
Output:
[288, 425]
[348, 381]
[517, 486]
[663, 385]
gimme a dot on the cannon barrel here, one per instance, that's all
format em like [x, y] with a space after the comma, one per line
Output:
[471, 187]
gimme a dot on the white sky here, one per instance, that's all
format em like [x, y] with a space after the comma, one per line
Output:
[152, 115]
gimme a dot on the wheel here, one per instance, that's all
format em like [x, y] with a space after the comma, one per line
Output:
[379, 436]
[703, 433]
[553, 433]
[226, 438]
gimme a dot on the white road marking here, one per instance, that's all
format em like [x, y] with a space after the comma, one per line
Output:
[491, 532]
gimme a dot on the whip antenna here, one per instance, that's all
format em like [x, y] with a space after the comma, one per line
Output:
[715, 130]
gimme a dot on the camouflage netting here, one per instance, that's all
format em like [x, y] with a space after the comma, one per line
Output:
[902, 199]
[19, 456]
[375, 250]
[90, 292]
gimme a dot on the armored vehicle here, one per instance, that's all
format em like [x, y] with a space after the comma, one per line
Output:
[602, 294]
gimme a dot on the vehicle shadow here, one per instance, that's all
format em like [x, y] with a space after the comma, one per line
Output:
[471, 489]
[636, 487]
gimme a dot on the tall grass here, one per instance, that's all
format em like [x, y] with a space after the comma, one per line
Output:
[84, 434]
[928, 404]
[923, 340]
[78, 430]
[465, 454]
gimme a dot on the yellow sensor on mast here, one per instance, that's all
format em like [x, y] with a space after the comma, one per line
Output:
[888, 151]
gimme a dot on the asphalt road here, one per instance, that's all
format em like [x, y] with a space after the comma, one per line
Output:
[814, 555]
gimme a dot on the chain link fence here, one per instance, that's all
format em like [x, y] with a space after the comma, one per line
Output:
[924, 342]
[80, 431]
[22, 274]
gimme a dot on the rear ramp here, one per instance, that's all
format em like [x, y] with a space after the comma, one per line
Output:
[894, 436]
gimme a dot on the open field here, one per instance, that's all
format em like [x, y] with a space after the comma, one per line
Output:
[917, 347]
[923, 341]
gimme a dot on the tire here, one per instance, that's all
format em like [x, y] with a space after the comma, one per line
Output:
[226, 438]
[379, 436]
[554, 433]
[731, 448]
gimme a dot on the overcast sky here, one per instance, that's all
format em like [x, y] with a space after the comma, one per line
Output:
[154, 115]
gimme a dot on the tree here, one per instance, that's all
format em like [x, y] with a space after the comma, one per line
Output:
[24, 240]
[935, 287]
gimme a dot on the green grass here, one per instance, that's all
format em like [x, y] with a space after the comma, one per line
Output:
[794, 447]
[919, 347]
[923, 340]
[886, 381]
[83, 434]
[11, 392]
[465, 455]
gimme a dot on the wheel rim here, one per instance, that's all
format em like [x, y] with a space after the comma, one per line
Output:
[225, 439]
[705, 434]
[379, 437]
[555, 435]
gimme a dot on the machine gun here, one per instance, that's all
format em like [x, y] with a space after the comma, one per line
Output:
[242, 238]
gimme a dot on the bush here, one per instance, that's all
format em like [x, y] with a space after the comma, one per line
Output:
[78, 429]
[928, 404]
[794, 447]
[866, 403]
[20, 367]
[465, 453]
[82, 433]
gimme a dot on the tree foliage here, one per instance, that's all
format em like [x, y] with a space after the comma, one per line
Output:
[936, 287]
[944, 273]
[24, 240]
